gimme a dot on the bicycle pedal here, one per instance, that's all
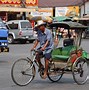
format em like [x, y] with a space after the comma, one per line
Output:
[41, 69]
[38, 70]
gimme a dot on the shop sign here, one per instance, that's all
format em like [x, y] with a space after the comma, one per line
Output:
[43, 12]
[27, 2]
[32, 2]
[67, 11]
[10, 1]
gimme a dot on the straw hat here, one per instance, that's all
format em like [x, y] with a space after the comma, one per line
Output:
[40, 22]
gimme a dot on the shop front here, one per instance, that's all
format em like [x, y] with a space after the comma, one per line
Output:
[14, 9]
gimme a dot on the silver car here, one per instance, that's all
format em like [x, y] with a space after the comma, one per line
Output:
[20, 30]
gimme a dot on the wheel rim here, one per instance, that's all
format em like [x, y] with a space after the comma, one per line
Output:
[80, 71]
[55, 75]
[22, 72]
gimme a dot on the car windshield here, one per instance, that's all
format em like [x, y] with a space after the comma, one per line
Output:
[26, 25]
[2, 25]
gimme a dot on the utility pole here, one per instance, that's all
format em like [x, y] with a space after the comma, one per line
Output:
[23, 6]
[84, 8]
[53, 11]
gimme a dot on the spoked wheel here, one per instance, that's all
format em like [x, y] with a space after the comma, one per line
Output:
[80, 71]
[55, 74]
[23, 72]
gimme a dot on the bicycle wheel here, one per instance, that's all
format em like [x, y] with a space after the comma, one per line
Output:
[80, 71]
[23, 72]
[55, 74]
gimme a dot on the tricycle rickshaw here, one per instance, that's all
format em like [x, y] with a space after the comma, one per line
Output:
[69, 58]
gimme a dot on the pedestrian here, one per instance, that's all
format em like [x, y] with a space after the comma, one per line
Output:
[44, 38]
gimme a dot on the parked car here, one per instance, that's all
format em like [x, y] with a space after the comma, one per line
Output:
[20, 30]
[3, 37]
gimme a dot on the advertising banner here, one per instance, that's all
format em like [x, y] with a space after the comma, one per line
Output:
[43, 12]
[67, 11]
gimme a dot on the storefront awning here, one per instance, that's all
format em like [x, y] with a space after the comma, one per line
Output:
[15, 9]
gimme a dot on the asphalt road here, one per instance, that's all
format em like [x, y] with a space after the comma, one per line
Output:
[23, 50]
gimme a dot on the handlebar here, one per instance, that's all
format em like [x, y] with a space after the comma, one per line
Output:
[33, 52]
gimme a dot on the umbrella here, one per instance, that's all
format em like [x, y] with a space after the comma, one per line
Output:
[44, 18]
[61, 18]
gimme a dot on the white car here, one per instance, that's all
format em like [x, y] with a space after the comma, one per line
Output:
[20, 30]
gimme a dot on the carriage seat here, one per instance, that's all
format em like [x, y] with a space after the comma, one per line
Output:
[68, 42]
[62, 53]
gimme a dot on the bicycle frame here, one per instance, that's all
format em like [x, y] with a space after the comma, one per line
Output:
[34, 58]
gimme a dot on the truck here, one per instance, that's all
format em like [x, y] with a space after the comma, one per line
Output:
[3, 37]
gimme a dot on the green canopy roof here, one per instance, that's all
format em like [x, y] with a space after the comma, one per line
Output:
[68, 25]
[62, 18]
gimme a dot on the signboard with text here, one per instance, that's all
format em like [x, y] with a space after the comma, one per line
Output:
[26, 2]
[67, 11]
[10, 1]
[43, 12]
[32, 2]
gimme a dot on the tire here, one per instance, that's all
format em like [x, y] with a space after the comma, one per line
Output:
[55, 74]
[23, 41]
[10, 39]
[31, 41]
[23, 72]
[80, 71]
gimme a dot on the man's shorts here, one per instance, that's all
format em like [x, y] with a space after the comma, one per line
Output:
[46, 54]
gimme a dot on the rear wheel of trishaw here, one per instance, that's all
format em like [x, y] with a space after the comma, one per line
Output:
[23, 72]
[80, 71]
[55, 74]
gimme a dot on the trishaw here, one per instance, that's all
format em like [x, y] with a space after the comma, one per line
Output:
[69, 58]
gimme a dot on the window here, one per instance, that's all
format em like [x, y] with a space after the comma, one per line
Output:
[2, 25]
[13, 26]
[26, 25]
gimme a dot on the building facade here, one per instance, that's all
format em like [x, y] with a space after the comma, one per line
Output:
[84, 9]
[13, 9]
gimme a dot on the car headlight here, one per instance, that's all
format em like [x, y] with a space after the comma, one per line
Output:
[3, 44]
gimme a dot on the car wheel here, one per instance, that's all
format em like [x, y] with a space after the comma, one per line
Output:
[22, 41]
[10, 39]
[31, 41]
